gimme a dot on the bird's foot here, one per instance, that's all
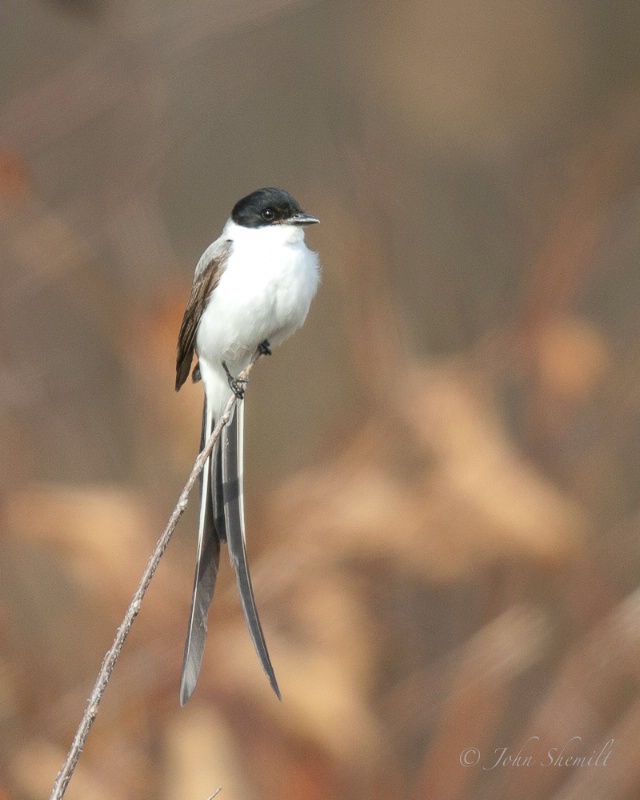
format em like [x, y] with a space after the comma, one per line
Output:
[237, 385]
[264, 348]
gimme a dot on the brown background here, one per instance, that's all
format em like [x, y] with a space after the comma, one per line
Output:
[443, 465]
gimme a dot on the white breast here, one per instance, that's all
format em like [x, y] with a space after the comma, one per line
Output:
[265, 292]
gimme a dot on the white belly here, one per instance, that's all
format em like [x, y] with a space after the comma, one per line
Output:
[264, 293]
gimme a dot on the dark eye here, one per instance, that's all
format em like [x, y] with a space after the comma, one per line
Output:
[268, 214]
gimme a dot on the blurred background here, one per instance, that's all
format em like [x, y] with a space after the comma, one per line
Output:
[443, 466]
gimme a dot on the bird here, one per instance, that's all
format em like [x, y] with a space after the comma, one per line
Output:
[252, 289]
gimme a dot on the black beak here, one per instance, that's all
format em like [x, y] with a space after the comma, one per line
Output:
[302, 219]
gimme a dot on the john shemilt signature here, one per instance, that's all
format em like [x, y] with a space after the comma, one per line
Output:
[567, 756]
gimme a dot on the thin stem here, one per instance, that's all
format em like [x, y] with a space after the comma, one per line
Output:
[112, 655]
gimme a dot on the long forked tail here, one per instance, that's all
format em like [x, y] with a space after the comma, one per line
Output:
[207, 559]
[232, 491]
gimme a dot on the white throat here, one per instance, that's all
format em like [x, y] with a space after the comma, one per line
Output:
[270, 235]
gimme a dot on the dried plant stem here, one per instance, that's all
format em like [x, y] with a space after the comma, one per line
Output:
[109, 662]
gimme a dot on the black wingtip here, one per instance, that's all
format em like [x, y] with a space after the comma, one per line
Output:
[180, 379]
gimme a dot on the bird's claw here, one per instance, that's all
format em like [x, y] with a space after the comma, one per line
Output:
[237, 385]
[264, 348]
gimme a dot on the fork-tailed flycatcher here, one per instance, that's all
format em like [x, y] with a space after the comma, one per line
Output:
[251, 290]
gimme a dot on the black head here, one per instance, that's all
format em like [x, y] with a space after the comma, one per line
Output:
[270, 206]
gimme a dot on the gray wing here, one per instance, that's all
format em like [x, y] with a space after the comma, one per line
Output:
[232, 480]
[211, 523]
[207, 275]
